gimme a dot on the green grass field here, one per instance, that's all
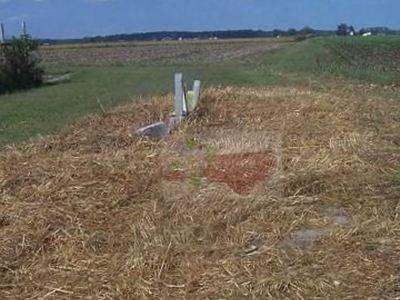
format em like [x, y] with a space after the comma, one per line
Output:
[322, 61]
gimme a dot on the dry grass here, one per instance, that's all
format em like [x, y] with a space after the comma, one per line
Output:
[89, 215]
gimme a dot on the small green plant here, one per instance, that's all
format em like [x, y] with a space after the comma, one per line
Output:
[195, 179]
[191, 143]
[19, 64]
[395, 179]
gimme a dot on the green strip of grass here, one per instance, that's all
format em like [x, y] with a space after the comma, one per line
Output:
[49, 109]
[369, 59]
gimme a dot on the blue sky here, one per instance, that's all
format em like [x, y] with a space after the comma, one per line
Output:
[77, 18]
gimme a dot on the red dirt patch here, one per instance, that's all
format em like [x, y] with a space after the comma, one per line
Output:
[175, 175]
[240, 171]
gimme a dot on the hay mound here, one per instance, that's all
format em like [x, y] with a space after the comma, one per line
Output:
[90, 215]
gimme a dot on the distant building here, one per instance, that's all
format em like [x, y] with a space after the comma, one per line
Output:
[376, 31]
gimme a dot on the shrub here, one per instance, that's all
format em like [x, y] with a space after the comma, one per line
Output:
[300, 38]
[19, 64]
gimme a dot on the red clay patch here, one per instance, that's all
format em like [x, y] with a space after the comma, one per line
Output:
[175, 175]
[241, 172]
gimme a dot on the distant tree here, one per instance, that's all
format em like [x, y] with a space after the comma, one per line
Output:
[19, 64]
[291, 32]
[307, 30]
[344, 30]
[277, 32]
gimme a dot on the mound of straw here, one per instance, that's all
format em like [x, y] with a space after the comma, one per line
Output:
[89, 215]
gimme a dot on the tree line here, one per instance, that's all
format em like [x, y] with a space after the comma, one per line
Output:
[202, 35]
[342, 30]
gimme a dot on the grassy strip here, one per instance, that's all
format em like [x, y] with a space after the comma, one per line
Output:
[51, 108]
[369, 59]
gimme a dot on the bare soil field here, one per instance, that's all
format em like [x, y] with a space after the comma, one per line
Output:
[96, 214]
[160, 52]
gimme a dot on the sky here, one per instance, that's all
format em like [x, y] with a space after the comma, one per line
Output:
[79, 18]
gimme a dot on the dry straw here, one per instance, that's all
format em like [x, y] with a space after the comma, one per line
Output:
[88, 214]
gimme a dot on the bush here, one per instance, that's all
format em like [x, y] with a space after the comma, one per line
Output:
[300, 38]
[19, 64]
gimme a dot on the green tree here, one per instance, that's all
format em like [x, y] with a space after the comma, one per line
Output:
[19, 64]
[307, 31]
[277, 32]
[291, 32]
[344, 29]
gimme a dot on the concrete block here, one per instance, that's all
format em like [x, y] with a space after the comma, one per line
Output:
[179, 96]
[156, 130]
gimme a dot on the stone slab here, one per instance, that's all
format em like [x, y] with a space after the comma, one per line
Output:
[156, 130]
